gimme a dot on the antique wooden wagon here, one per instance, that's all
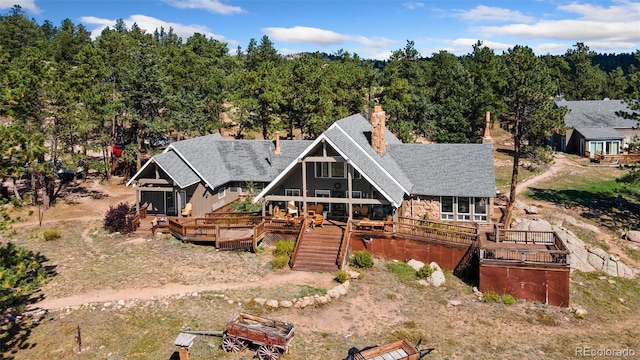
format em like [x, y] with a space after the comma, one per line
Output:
[271, 337]
[397, 350]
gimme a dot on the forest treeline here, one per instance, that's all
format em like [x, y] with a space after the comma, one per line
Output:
[65, 96]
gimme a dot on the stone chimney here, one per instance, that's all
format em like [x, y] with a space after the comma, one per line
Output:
[277, 150]
[486, 139]
[378, 129]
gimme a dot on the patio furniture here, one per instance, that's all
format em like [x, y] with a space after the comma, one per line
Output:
[188, 210]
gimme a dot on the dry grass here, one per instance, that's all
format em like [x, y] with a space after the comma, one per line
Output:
[378, 308]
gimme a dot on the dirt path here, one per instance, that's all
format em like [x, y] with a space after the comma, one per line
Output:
[561, 163]
[150, 293]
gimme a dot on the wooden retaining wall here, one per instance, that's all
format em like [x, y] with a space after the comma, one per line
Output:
[546, 284]
[447, 255]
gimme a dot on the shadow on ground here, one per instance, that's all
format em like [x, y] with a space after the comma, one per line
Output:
[601, 207]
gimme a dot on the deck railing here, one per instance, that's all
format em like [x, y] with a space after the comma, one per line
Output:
[461, 234]
[557, 257]
[292, 260]
[525, 236]
[343, 255]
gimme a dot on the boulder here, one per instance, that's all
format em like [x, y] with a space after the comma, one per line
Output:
[415, 264]
[595, 261]
[633, 236]
[286, 303]
[272, 303]
[600, 252]
[260, 301]
[437, 278]
[532, 210]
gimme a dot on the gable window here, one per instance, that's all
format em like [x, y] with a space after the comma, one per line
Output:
[322, 170]
[338, 170]
[292, 192]
[330, 170]
[222, 193]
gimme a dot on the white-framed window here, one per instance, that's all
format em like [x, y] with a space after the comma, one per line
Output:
[480, 209]
[354, 194]
[323, 193]
[464, 208]
[331, 170]
[222, 192]
[291, 192]
[446, 208]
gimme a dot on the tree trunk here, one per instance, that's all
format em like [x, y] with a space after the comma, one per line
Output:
[514, 173]
[16, 193]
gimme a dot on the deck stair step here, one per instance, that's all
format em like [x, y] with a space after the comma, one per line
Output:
[318, 249]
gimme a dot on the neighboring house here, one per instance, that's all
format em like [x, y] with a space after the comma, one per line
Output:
[596, 126]
[354, 168]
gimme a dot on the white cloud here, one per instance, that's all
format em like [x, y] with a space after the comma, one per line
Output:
[29, 5]
[412, 5]
[575, 30]
[465, 45]
[213, 6]
[310, 35]
[626, 11]
[613, 27]
[372, 53]
[483, 13]
[550, 48]
[303, 34]
[150, 24]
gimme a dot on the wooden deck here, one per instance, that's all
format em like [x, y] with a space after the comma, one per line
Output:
[524, 247]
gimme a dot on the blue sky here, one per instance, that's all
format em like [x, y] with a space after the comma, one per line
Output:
[372, 29]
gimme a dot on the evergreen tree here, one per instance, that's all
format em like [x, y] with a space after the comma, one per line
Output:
[531, 117]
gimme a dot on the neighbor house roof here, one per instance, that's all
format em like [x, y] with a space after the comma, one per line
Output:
[597, 114]
[600, 133]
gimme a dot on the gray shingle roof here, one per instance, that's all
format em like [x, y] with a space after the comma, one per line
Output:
[219, 161]
[447, 169]
[600, 133]
[596, 114]
[177, 169]
[418, 169]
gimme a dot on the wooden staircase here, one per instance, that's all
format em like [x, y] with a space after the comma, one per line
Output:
[318, 249]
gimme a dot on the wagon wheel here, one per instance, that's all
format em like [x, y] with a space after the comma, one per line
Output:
[231, 344]
[266, 352]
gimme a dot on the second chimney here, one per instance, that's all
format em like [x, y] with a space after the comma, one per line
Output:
[487, 129]
[277, 150]
[378, 130]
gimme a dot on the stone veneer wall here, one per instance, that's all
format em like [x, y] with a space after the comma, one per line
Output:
[427, 205]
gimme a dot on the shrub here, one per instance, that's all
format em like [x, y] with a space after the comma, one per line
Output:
[280, 261]
[490, 296]
[342, 276]
[508, 299]
[116, 218]
[362, 259]
[284, 247]
[425, 271]
[51, 234]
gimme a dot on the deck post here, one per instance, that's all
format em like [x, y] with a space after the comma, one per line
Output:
[305, 211]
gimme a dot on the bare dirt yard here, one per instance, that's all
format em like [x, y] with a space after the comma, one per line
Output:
[131, 294]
